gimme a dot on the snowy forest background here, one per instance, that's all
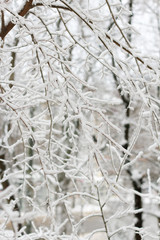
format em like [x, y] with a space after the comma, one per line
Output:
[80, 119]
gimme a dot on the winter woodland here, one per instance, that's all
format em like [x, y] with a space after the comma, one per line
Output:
[80, 119]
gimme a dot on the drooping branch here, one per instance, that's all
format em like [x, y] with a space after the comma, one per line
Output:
[116, 42]
[5, 29]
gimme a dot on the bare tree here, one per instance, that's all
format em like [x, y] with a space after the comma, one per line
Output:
[79, 121]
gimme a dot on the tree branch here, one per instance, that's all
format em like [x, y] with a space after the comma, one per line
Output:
[29, 5]
[89, 24]
[6, 29]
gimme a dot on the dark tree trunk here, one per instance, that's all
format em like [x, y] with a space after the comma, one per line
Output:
[136, 183]
[138, 204]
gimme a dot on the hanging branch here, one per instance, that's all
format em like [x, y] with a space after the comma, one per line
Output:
[5, 29]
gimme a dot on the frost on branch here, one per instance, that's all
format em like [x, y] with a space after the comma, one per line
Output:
[79, 113]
